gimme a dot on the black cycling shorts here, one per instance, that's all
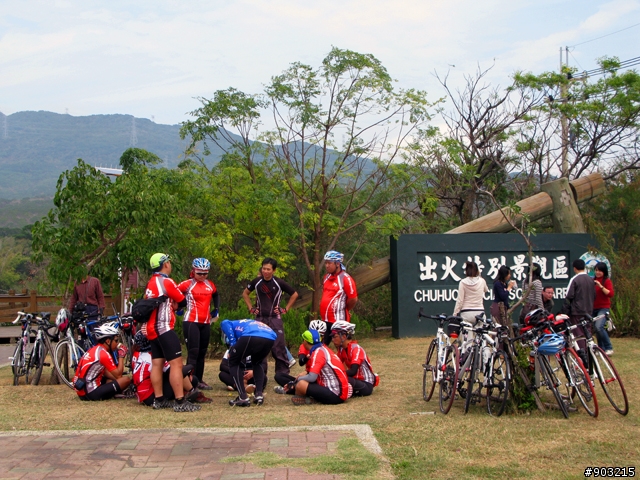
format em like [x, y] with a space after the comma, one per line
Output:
[166, 346]
[323, 394]
[103, 392]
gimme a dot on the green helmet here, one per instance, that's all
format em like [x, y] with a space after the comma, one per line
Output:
[157, 259]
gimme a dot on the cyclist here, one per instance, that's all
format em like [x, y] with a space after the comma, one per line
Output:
[287, 382]
[141, 363]
[247, 338]
[339, 294]
[269, 290]
[326, 381]
[97, 376]
[359, 370]
[165, 344]
[200, 293]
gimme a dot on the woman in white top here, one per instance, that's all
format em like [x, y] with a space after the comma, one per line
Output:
[471, 290]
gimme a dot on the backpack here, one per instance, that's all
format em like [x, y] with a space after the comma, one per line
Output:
[143, 308]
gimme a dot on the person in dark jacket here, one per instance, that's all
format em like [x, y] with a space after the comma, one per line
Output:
[501, 288]
[579, 301]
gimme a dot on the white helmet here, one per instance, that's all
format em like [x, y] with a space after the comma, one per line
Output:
[62, 320]
[105, 331]
[318, 325]
[343, 327]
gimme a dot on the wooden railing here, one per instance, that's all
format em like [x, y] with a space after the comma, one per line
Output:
[30, 301]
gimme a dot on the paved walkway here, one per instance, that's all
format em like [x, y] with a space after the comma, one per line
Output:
[166, 454]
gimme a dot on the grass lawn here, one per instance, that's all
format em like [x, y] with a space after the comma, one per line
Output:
[536, 445]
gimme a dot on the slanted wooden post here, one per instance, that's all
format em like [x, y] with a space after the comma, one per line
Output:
[566, 214]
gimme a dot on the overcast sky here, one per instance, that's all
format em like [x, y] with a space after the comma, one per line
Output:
[151, 58]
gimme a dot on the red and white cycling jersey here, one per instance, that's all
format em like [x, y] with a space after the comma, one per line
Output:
[330, 371]
[355, 354]
[91, 368]
[163, 318]
[336, 290]
[304, 351]
[141, 365]
[198, 295]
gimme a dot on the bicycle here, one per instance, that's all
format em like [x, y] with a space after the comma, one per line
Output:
[21, 356]
[484, 359]
[68, 351]
[41, 346]
[444, 370]
[600, 365]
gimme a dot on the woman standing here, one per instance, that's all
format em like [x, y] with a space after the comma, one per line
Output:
[602, 304]
[199, 293]
[501, 288]
[471, 290]
[534, 299]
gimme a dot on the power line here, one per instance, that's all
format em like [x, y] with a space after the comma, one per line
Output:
[607, 35]
[632, 62]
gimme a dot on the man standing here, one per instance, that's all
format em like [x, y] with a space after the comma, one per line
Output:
[579, 301]
[89, 293]
[269, 289]
[165, 344]
[547, 299]
[339, 294]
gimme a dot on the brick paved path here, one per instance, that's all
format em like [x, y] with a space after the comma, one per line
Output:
[166, 454]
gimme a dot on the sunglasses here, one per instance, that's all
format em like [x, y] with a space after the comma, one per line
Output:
[201, 273]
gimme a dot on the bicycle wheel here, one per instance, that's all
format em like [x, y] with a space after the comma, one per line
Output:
[581, 382]
[17, 364]
[36, 363]
[126, 340]
[429, 372]
[471, 377]
[551, 382]
[65, 361]
[449, 380]
[610, 380]
[498, 384]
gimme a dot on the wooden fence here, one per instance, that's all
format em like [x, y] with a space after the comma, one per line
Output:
[31, 302]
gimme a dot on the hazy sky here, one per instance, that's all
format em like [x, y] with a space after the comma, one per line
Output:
[151, 58]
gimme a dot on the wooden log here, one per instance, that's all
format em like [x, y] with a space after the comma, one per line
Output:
[566, 214]
[378, 272]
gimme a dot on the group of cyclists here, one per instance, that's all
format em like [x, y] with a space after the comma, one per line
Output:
[160, 378]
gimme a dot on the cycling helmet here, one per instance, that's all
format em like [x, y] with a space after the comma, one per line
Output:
[62, 320]
[343, 327]
[534, 317]
[318, 325]
[333, 256]
[105, 331]
[311, 336]
[157, 259]
[141, 340]
[201, 264]
[550, 344]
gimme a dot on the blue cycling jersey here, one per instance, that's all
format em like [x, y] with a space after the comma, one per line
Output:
[234, 329]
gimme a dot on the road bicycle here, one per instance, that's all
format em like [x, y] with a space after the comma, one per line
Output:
[600, 367]
[484, 367]
[22, 352]
[441, 363]
[41, 347]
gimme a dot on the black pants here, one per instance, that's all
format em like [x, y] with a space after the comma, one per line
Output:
[226, 378]
[167, 389]
[360, 388]
[196, 337]
[279, 349]
[323, 394]
[103, 392]
[258, 348]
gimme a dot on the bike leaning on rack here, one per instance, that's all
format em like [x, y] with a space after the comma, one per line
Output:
[441, 364]
[21, 354]
[600, 365]
[41, 346]
[68, 351]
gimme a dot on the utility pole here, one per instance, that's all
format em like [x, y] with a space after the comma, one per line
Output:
[564, 123]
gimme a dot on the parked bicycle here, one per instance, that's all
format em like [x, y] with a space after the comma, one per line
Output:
[41, 347]
[600, 366]
[484, 367]
[441, 364]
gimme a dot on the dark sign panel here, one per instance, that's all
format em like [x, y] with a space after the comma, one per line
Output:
[426, 270]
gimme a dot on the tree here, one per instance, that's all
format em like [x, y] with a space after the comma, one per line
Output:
[587, 125]
[103, 226]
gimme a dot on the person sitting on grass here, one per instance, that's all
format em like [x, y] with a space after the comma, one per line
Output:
[359, 370]
[326, 381]
[97, 376]
[226, 378]
[141, 365]
[287, 382]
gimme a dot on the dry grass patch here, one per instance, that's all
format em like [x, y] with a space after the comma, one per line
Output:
[419, 446]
